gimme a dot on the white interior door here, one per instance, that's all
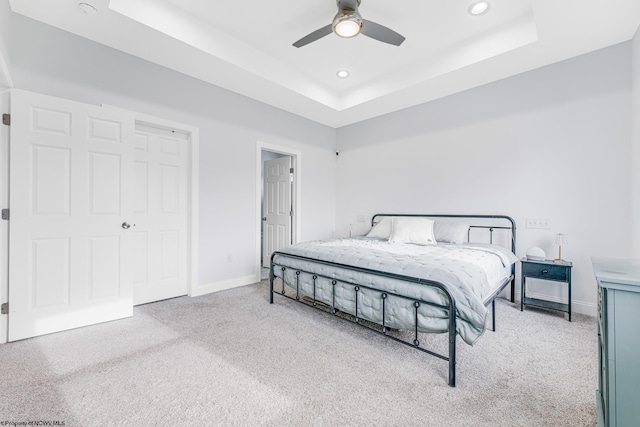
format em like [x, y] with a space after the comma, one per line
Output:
[70, 201]
[277, 208]
[160, 214]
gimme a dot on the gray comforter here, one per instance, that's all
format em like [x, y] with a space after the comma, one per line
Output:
[470, 272]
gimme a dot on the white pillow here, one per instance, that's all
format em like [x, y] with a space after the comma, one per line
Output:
[381, 230]
[450, 232]
[412, 230]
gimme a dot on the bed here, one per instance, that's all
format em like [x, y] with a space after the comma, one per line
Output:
[428, 273]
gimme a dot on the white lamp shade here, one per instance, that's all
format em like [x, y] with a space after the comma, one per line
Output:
[561, 239]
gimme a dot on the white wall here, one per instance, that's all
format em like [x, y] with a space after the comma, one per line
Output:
[5, 58]
[551, 143]
[635, 144]
[57, 63]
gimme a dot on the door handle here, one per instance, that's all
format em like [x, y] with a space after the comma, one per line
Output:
[264, 218]
[125, 225]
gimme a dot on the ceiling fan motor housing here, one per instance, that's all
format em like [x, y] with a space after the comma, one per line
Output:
[348, 4]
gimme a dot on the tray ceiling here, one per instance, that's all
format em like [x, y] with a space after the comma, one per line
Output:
[246, 46]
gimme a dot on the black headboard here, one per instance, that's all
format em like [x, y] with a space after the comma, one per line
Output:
[488, 223]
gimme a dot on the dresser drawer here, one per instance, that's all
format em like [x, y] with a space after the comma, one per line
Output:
[546, 271]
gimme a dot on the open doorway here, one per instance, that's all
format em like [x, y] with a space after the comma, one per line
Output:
[278, 202]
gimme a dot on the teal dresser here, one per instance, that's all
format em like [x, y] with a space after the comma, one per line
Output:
[618, 395]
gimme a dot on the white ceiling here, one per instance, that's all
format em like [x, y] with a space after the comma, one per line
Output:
[246, 46]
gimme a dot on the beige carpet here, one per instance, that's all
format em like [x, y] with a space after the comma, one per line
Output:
[232, 359]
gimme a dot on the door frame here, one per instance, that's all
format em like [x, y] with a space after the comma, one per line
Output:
[4, 225]
[6, 83]
[193, 196]
[296, 161]
[267, 158]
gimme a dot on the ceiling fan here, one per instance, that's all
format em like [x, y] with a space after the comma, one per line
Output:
[349, 23]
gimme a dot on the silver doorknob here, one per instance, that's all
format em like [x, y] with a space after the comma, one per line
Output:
[125, 225]
[264, 218]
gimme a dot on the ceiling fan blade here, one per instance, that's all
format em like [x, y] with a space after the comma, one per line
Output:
[317, 34]
[381, 33]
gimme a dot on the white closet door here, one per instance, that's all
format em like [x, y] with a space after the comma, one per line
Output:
[276, 207]
[160, 215]
[70, 200]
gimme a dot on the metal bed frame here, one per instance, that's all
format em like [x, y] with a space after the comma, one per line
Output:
[450, 307]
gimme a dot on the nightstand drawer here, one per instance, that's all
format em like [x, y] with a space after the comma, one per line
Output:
[546, 271]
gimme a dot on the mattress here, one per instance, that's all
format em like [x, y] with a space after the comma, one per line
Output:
[471, 273]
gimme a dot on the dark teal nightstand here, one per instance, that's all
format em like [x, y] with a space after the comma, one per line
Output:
[557, 271]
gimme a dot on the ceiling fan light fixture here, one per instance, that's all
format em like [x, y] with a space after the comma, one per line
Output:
[347, 24]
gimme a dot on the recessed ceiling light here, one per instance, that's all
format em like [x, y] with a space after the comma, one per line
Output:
[87, 8]
[343, 74]
[479, 8]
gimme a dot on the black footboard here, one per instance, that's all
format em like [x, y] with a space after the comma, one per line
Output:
[449, 308]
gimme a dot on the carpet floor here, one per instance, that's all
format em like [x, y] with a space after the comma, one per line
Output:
[232, 359]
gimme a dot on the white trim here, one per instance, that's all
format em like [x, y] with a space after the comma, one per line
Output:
[224, 285]
[297, 180]
[586, 308]
[194, 189]
[4, 225]
[194, 201]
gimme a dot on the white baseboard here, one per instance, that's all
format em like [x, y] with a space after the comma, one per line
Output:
[586, 308]
[224, 285]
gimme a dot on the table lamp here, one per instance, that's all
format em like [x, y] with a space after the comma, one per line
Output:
[560, 240]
